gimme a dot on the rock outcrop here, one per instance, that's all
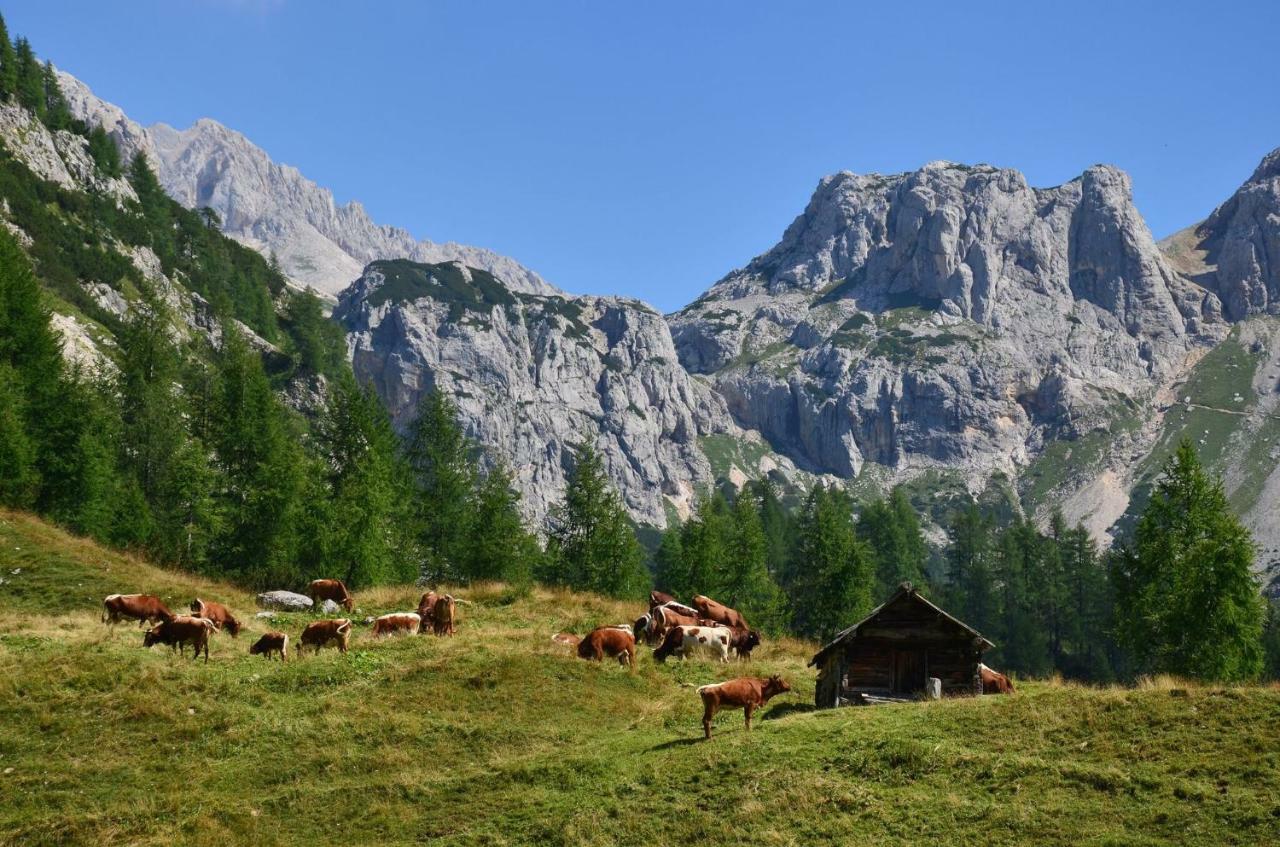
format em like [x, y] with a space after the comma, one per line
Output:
[274, 208]
[953, 317]
[535, 375]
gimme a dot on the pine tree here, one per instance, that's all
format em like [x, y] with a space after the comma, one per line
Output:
[1187, 600]
[105, 154]
[891, 527]
[748, 586]
[969, 576]
[30, 89]
[499, 548]
[592, 545]
[8, 64]
[833, 574]
[19, 481]
[440, 461]
[57, 114]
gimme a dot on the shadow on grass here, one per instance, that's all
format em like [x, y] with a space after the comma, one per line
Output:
[675, 742]
[783, 709]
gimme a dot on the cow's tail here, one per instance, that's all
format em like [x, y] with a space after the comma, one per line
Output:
[345, 627]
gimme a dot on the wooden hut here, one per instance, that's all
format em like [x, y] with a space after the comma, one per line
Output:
[893, 651]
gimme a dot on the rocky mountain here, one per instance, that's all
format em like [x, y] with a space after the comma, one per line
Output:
[273, 207]
[534, 375]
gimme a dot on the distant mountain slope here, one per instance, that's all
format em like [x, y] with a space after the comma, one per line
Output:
[273, 207]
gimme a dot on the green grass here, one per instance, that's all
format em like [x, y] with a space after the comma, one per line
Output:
[499, 737]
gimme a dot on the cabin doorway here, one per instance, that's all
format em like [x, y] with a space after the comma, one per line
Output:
[909, 668]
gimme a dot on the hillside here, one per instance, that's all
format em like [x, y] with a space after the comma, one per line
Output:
[498, 737]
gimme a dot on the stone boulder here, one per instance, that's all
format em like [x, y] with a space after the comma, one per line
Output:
[285, 601]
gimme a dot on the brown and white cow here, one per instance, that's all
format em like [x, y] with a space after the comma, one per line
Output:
[994, 682]
[427, 606]
[654, 626]
[659, 598]
[320, 633]
[609, 641]
[181, 631]
[143, 608]
[744, 641]
[720, 613]
[330, 589]
[444, 616]
[684, 641]
[271, 642]
[397, 623]
[217, 613]
[749, 692]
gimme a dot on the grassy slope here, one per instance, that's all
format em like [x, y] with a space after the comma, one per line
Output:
[499, 737]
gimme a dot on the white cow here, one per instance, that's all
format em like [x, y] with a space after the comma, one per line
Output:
[686, 640]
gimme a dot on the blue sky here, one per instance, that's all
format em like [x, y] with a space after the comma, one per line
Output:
[648, 148]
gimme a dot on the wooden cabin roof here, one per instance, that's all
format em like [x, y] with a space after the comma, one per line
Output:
[905, 593]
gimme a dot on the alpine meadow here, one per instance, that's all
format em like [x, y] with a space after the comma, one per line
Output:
[948, 517]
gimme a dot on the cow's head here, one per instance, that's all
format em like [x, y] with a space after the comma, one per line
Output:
[197, 606]
[750, 641]
[348, 603]
[776, 685]
[152, 635]
[640, 626]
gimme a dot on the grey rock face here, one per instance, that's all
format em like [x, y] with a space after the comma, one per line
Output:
[274, 208]
[951, 317]
[285, 601]
[1240, 244]
[533, 376]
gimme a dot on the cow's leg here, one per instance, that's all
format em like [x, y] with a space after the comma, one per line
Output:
[708, 712]
[747, 710]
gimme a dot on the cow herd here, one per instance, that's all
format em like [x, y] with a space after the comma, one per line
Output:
[435, 613]
[674, 629]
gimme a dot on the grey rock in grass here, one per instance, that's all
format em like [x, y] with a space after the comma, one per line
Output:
[286, 601]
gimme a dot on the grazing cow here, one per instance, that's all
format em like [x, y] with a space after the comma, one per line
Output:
[143, 608]
[330, 589]
[711, 610]
[659, 598]
[181, 631]
[427, 606]
[744, 641]
[397, 623]
[749, 692]
[609, 641]
[684, 640]
[217, 613]
[994, 682]
[271, 642]
[443, 616]
[320, 633]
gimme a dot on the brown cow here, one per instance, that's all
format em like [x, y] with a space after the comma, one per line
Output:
[749, 692]
[181, 631]
[144, 608]
[655, 625]
[427, 606]
[994, 682]
[609, 641]
[217, 613]
[719, 612]
[397, 623]
[744, 641]
[659, 598]
[271, 642]
[330, 589]
[320, 633]
[443, 616]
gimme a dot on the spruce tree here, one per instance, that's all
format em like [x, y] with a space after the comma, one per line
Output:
[748, 586]
[499, 548]
[57, 114]
[891, 527]
[592, 545]
[8, 64]
[440, 459]
[30, 84]
[833, 571]
[19, 481]
[968, 554]
[1187, 600]
[106, 157]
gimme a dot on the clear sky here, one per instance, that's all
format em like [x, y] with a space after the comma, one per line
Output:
[649, 148]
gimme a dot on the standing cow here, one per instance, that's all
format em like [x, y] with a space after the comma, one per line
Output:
[444, 615]
[320, 633]
[685, 640]
[217, 613]
[749, 692]
[143, 608]
[330, 589]
[427, 607]
[181, 631]
[994, 682]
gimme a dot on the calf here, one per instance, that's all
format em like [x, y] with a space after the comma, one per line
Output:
[320, 633]
[427, 606]
[397, 623]
[271, 642]
[609, 641]
[749, 692]
[994, 682]
[744, 642]
[330, 589]
[181, 631]
[684, 640]
[217, 613]
[143, 608]
[719, 612]
[442, 617]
